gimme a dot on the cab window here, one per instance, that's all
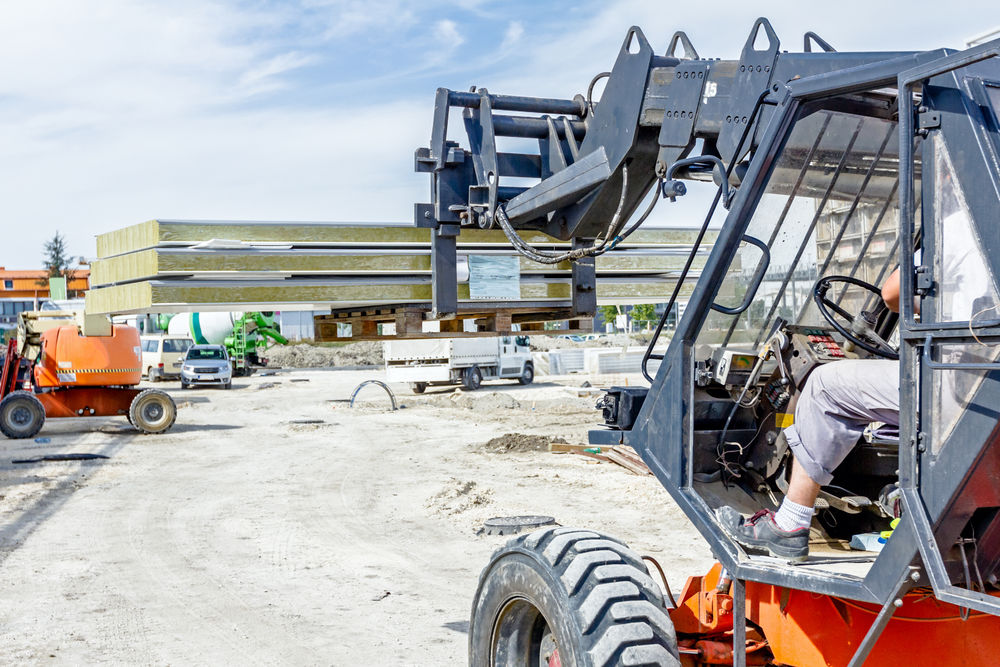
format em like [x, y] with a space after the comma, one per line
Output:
[176, 345]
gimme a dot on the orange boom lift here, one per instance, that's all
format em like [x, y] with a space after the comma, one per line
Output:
[65, 364]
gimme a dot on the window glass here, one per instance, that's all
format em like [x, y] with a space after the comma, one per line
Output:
[954, 390]
[176, 344]
[8, 284]
[994, 94]
[966, 290]
[196, 353]
[829, 208]
[149, 346]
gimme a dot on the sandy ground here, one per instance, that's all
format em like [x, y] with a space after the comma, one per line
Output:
[244, 537]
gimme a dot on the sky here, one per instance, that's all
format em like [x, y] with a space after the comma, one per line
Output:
[120, 111]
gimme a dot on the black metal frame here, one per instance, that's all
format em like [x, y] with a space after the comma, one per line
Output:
[663, 432]
[654, 111]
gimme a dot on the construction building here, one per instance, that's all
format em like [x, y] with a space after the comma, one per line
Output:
[28, 290]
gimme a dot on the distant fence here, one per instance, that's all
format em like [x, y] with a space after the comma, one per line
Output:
[593, 360]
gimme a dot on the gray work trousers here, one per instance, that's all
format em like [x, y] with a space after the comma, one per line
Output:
[839, 401]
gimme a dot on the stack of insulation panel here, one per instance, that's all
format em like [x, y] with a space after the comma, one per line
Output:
[174, 266]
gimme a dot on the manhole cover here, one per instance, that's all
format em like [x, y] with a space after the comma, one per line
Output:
[512, 525]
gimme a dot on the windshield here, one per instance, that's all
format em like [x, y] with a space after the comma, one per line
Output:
[993, 91]
[829, 208]
[199, 353]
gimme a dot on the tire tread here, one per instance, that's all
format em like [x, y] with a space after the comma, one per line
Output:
[615, 604]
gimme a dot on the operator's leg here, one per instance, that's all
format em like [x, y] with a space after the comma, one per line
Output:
[796, 509]
[837, 403]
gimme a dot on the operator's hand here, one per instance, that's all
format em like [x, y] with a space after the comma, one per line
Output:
[890, 291]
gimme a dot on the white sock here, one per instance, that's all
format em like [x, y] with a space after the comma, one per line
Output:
[792, 516]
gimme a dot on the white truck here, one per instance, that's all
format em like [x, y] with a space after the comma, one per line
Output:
[466, 361]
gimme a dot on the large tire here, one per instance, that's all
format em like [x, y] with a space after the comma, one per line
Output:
[21, 415]
[152, 411]
[472, 378]
[418, 387]
[577, 592]
[528, 374]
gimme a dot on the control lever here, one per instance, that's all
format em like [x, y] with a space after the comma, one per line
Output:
[775, 341]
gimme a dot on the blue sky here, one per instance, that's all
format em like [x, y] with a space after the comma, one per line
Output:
[119, 111]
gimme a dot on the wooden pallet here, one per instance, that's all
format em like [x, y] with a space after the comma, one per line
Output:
[622, 455]
[407, 322]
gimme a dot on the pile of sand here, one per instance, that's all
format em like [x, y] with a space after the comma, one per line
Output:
[363, 353]
[458, 497]
[519, 442]
[481, 401]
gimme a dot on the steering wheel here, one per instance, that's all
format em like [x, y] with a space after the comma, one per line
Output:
[860, 328]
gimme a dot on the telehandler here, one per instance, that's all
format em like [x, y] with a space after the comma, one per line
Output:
[835, 168]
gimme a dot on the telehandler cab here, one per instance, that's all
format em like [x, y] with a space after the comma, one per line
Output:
[835, 168]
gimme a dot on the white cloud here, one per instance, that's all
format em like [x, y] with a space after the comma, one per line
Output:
[265, 77]
[447, 35]
[512, 36]
[123, 110]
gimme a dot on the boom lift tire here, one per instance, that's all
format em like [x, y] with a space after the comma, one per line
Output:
[21, 415]
[472, 378]
[527, 375]
[583, 594]
[152, 411]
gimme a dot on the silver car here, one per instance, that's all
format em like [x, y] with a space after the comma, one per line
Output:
[207, 364]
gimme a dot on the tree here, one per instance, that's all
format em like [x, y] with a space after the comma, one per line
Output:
[643, 313]
[608, 313]
[55, 261]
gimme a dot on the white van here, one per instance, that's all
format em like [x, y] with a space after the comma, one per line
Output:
[163, 355]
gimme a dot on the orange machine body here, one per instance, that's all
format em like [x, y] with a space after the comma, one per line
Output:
[809, 630]
[69, 359]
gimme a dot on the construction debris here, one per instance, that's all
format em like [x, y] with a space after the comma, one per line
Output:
[626, 457]
[520, 442]
[622, 455]
[378, 383]
[512, 525]
[61, 457]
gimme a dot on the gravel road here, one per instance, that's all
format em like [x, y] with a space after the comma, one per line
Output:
[244, 536]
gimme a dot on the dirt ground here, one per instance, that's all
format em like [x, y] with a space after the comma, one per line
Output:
[274, 524]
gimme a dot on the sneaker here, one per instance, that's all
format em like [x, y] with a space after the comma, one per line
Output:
[761, 533]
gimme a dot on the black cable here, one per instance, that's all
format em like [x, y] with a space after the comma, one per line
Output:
[545, 257]
[642, 218]
[590, 89]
